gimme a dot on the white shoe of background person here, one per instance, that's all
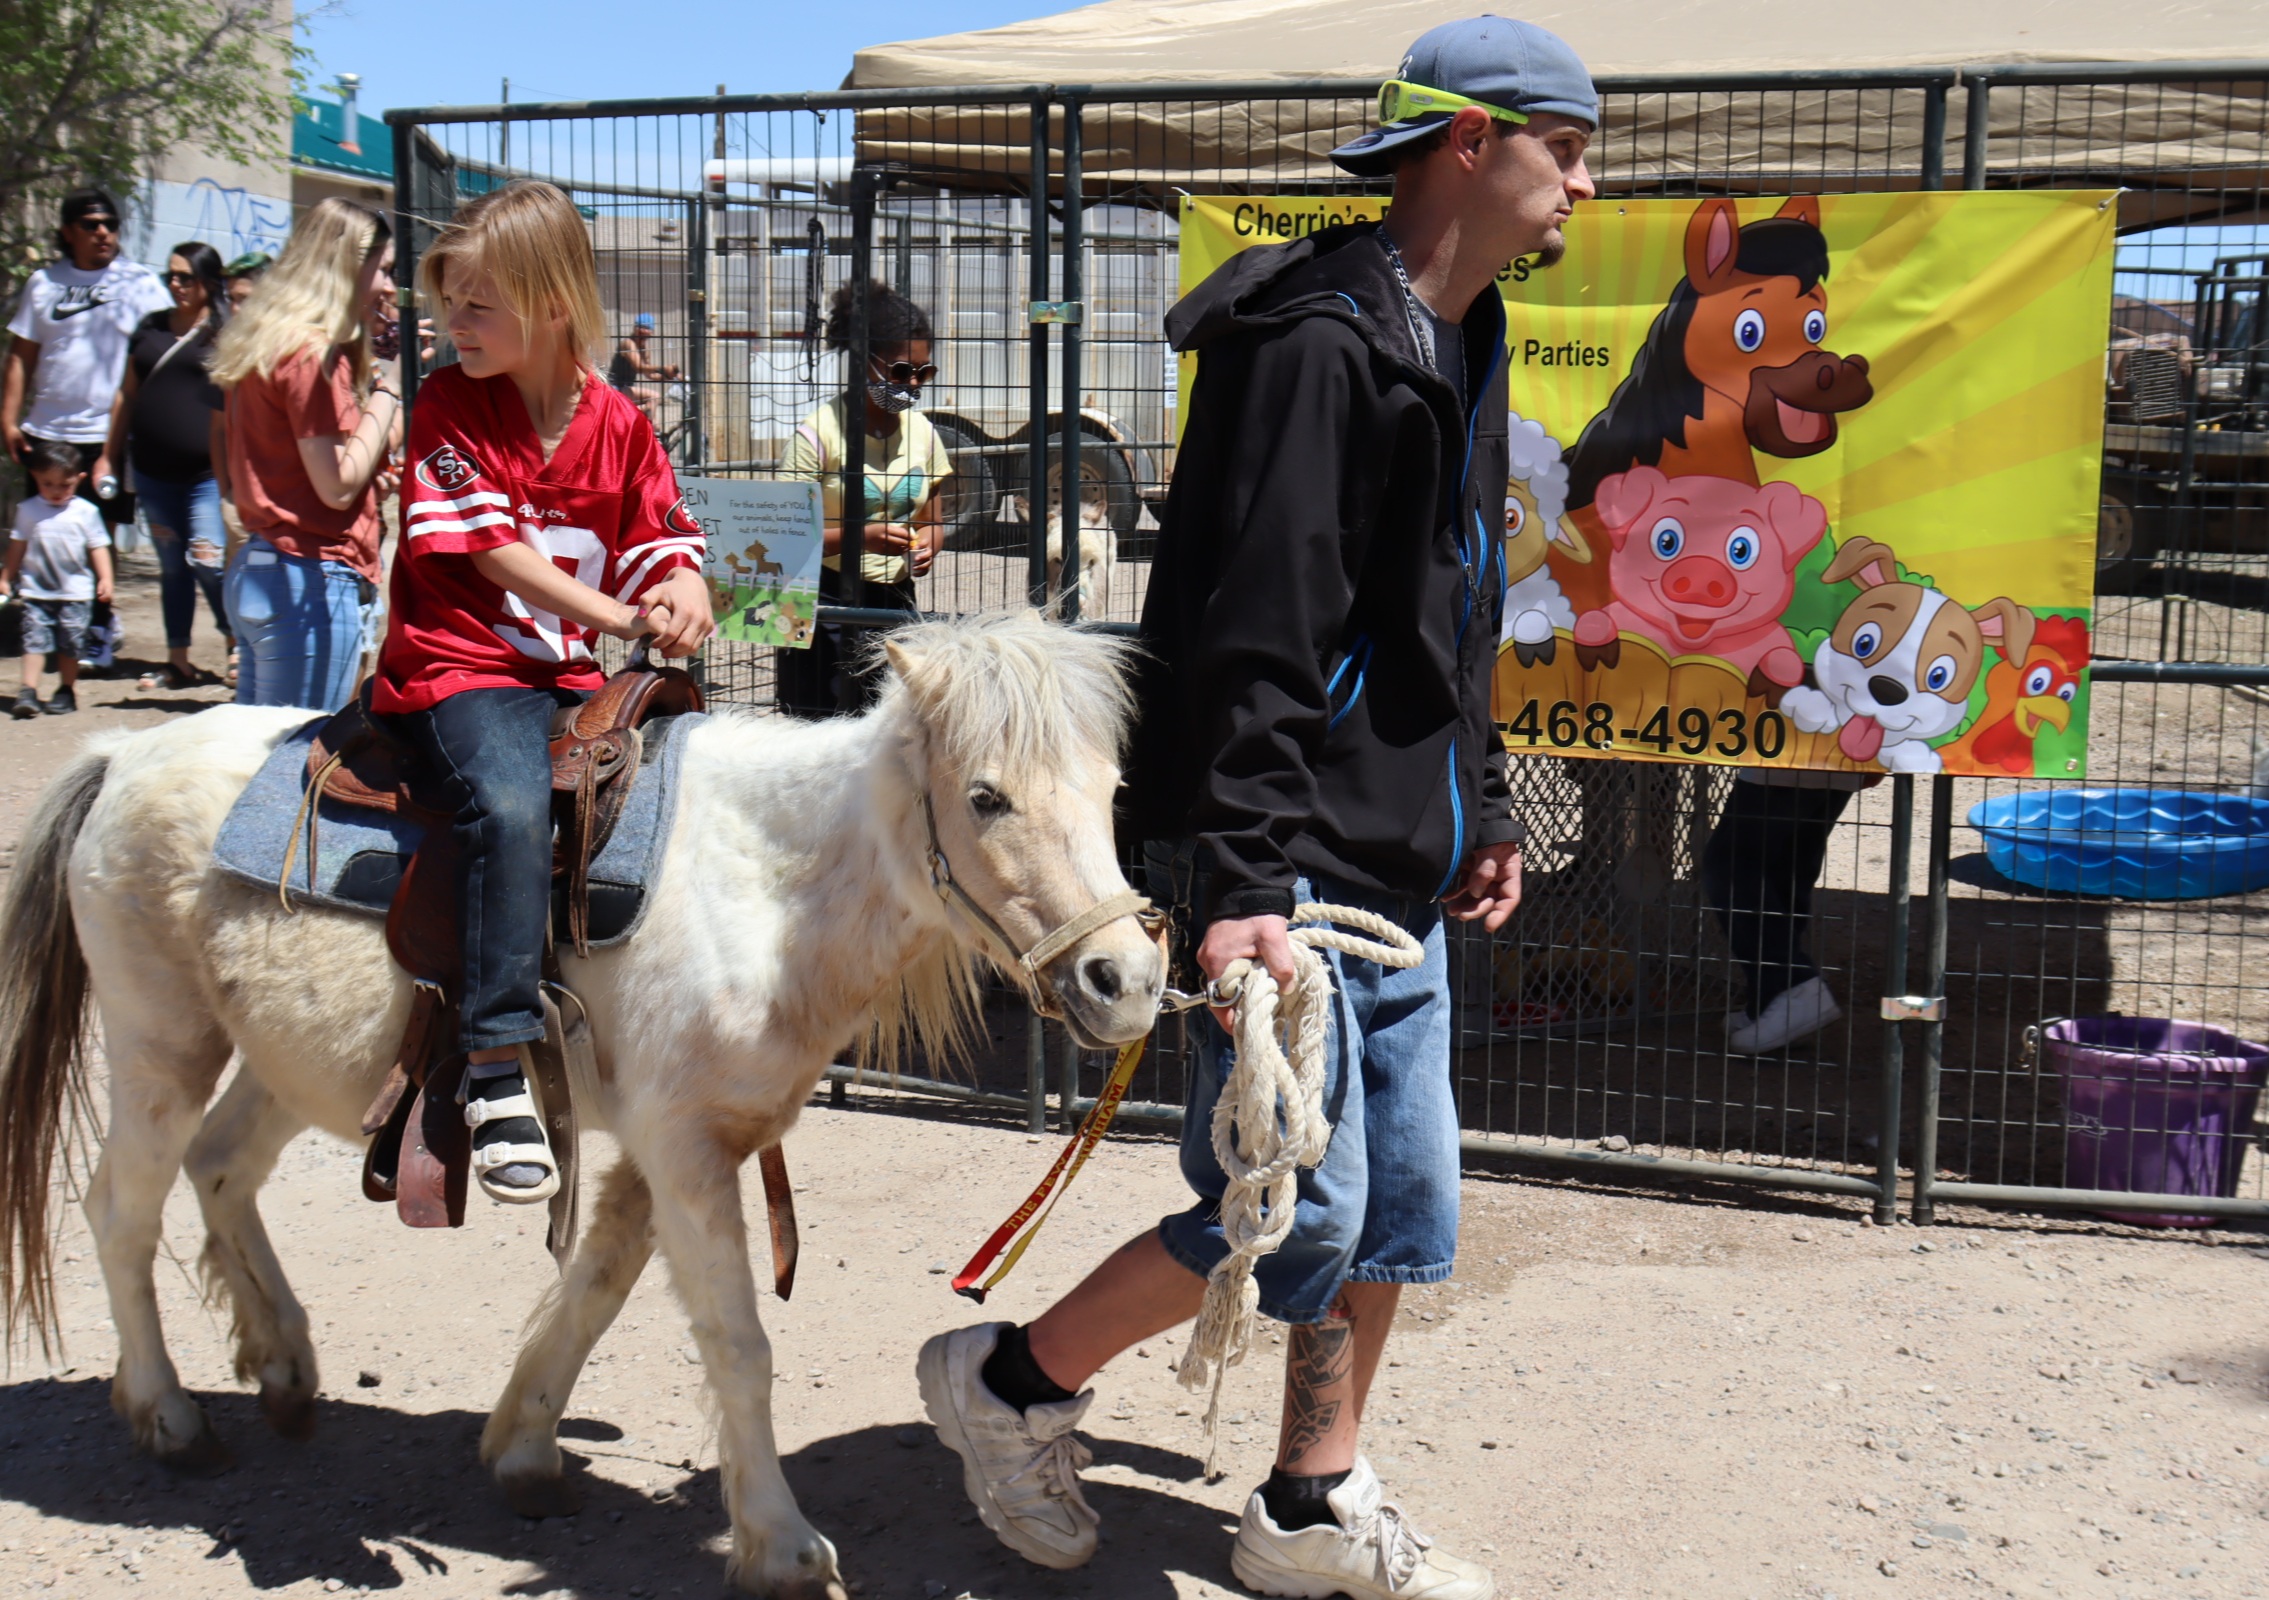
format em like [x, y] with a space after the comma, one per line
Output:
[1371, 1553]
[1020, 1468]
[1791, 1015]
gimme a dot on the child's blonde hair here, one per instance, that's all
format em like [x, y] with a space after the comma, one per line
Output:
[307, 300]
[529, 237]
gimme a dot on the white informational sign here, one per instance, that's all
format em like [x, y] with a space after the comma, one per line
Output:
[764, 556]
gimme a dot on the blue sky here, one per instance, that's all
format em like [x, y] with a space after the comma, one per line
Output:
[446, 52]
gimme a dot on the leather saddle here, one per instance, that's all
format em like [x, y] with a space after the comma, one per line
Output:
[420, 1152]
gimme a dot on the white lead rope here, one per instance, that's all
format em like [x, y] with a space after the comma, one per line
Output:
[1269, 1124]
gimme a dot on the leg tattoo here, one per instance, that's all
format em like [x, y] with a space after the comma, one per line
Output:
[1317, 1378]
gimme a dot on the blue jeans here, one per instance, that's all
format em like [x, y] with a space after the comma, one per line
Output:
[181, 514]
[299, 628]
[491, 749]
[1382, 1206]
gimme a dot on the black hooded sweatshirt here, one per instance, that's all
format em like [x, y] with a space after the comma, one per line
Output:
[1324, 605]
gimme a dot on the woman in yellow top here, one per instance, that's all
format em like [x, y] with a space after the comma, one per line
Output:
[906, 464]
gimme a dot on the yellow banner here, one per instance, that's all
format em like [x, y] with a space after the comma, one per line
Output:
[1802, 482]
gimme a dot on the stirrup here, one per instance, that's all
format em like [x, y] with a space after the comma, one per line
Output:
[487, 1158]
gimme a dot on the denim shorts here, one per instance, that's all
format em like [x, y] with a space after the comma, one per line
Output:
[1382, 1206]
[58, 626]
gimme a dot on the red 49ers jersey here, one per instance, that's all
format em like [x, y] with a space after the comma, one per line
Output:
[605, 509]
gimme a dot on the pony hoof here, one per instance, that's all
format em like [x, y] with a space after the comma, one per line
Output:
[1591, 657]
[203, 1455]
[541, 1497]
[290, 1412]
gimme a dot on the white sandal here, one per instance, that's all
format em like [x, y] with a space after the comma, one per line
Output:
[489, 1158]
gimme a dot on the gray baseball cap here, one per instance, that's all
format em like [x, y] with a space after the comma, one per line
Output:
[1516, 66]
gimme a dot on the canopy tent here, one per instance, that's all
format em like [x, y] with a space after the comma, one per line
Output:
[2192, 150]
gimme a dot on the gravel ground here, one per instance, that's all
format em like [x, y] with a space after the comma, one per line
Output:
[1622, 1394]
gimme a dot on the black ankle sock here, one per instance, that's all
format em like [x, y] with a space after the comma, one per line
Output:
[1295, 1501]
[1015, 1378]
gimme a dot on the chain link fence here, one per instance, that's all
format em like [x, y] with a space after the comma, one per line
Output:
[1039, 228]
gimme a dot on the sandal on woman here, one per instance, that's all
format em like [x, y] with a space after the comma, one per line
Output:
[512, 1160]
[172, 677]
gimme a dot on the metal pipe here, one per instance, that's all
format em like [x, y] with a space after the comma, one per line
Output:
[1073, 499]
[1036, 494]
[1977, 132]
[1035, 1073]
[1895, 982]
[697, 331]
[1067, 1090]
[1934, 136]
[1934, 988]
[851, 543]
[406, 256]
[2208, 672]
[2019, 1194]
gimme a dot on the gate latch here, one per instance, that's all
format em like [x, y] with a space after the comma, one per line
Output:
[1914, 1008]
[1063, 311]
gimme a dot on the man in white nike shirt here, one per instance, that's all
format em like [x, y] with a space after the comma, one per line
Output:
[70, 332]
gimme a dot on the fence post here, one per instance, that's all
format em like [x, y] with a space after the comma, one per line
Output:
[1036, 336]
[1934, 136]
[1895, 983]
[1036, 525]
[406, 256]
[853, 543]
[697, 329]
[1074, 288]
[1977, 128]
[1924, 1209]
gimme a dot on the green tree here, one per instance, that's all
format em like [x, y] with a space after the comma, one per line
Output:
[95, 91]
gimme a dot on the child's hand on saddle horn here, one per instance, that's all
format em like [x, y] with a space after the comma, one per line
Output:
[676, 613]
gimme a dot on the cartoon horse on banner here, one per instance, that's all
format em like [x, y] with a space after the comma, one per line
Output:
[1732, 368]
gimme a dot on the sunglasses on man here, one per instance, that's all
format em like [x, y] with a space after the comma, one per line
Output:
[1401, 102]
[903, 372]
[97, 224]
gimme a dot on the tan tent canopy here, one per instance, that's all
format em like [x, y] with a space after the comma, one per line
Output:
[2193, 149]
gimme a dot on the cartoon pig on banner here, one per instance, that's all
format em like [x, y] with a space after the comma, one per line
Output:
[1703, 567]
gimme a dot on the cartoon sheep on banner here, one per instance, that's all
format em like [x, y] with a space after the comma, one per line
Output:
[1536, 498]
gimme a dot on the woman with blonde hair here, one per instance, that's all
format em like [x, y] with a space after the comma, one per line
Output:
[310, 422]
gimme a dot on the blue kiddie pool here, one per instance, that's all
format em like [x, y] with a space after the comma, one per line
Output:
[2136, 844]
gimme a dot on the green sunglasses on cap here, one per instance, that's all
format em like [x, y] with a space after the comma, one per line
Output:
[1401, 102]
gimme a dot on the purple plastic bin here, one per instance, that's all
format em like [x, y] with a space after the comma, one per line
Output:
[2156, 1107]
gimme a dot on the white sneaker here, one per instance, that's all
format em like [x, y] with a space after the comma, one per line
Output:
[1789, 1016]
[1020, 1468]
[1372, 1551]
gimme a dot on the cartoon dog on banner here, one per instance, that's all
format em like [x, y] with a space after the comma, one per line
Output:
[1732, 368]
[1897, 669]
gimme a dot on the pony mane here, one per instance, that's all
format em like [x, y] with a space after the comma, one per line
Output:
[1007, 688]
[1649, 409]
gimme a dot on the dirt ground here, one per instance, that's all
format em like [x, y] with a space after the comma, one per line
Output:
[1623, 1393]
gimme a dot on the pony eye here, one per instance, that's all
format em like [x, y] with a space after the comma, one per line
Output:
[1749, 330]
[2067, 692]
[1866, 642]
[1815, 325]
[1940, 675]
[2038, 680]
[988, 801]
[1741, 549]
[1516, 516]
[1668, 538]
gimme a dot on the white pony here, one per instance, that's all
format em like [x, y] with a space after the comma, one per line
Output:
[797, 910]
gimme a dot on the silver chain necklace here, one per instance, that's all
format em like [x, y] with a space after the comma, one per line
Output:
[1421, 329]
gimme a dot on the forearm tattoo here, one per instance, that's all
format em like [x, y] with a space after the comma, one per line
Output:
[1318, 1374]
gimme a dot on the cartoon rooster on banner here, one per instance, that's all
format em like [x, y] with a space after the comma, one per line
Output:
[2021, 698]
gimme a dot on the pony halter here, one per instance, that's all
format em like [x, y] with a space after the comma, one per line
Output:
[1028, 964]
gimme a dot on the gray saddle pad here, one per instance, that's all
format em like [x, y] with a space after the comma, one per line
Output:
[360, 856]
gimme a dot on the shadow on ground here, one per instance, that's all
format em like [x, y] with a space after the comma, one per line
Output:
[381, 1496]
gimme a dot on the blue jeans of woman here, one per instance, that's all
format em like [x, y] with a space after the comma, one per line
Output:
[299, 628]
[182, 515]
[491, 749]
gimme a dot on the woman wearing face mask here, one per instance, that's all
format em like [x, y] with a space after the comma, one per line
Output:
[311, 418]
[906, 465]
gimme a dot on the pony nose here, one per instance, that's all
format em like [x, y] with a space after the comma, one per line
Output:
[1699, 578]
[1888, 691]
[1103, 978]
